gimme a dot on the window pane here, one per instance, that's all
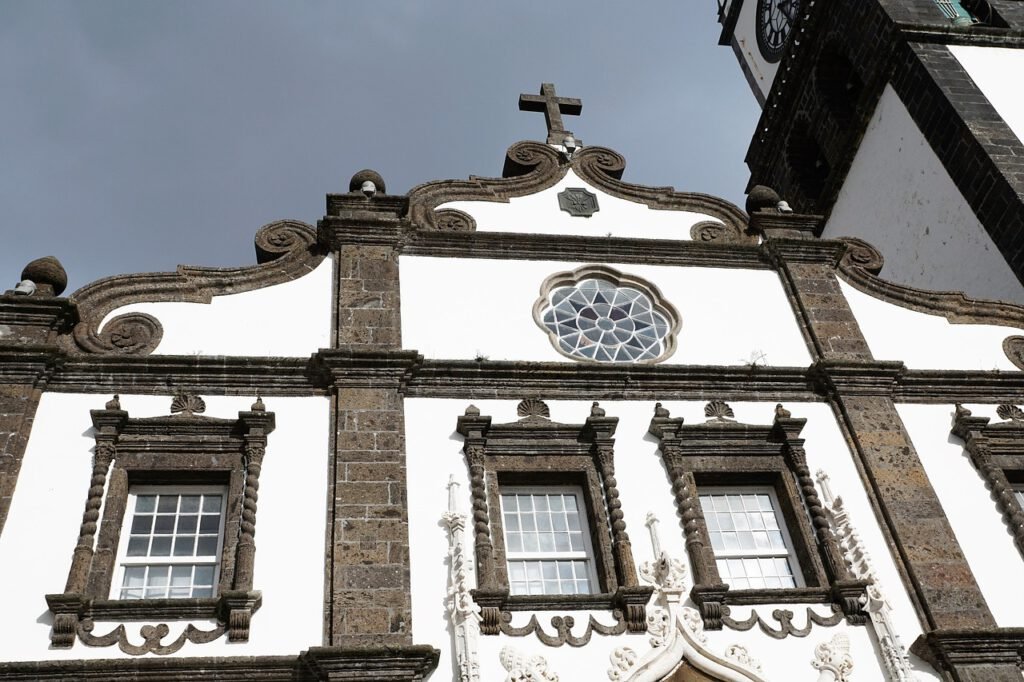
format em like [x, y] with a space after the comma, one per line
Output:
[211, 504]
[167, 503]
[189, 504]
[138, 546]
[744, 526]
[145, 504]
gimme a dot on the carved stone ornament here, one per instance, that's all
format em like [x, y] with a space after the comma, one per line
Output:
[525, 668]
[1010, 413]
[462, 612]
[1013, 346]
[577, 201]
[718, 410]
[894, 654]
[676, 632]
[152, 636]
[453, 220]
[532, 408]
[187, 404]
[712, 231]
[833, 659]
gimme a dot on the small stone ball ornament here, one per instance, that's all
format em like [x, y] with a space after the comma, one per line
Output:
[367, 174]
[48, 275]
[761, 198]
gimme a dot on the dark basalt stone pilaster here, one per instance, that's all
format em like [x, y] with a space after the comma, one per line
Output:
[860, 389]
[968, 655]
[369, 602]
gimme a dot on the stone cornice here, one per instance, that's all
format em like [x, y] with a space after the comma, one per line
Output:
[318, 664]
[564, 380]
[949, 648]
[851, 377]
[42, 311]
[357, 368]
[29, 363]
[439, 378]
[162, 374]
[506, 245]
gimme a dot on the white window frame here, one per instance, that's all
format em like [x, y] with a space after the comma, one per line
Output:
[787, 539]
[587, 555]
[123, 561]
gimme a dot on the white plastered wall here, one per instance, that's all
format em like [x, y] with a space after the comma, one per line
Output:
[435, 454]
[997, 72]
[979, 528]
[899, 197]
[539, 214]
[46, 512]
[925, 341]
[292, 319]
[469, 308]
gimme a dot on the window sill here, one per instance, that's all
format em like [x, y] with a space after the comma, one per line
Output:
[233, 608]
[630, 601]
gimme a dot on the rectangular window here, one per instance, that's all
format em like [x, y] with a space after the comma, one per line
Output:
[547, 541]
[751, 544]
[171, 543]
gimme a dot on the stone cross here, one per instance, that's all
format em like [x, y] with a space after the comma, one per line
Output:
[553, 108]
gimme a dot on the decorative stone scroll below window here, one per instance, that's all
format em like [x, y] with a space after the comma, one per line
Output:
[997, 452]
[536, 451]
[183, 449]
[723, 452]
[598, 314]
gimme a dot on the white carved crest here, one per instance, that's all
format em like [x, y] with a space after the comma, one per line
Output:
[524, 668]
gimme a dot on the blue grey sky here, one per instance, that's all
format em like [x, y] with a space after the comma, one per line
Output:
[138, 135]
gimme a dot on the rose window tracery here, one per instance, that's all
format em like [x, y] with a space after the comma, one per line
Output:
[595, 315]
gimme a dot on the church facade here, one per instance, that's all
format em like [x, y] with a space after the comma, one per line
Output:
[899, 121]
[547, 426]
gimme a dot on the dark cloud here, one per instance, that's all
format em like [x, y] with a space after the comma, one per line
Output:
[139, 135]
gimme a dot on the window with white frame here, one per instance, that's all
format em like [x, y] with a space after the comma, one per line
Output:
[547, 541]
[752, 546]
[171, 543]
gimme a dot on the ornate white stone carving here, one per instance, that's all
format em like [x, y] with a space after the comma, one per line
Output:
[894, 655]
[622, 659]
[462, 611]
[676, 631]
[739, 654]
[524, 668]
[833, 659]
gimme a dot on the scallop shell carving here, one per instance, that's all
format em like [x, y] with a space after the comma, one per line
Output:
[1010, 412]
[719, 410]
[533, 407]
[188, 404]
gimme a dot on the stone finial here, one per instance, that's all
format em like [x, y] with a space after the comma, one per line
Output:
[114, 403]
[660, 411]
[472, 411]
[47, 274]
[781, 412]
[596, 410]
[367, 175]
[258, 406]
[761, 198]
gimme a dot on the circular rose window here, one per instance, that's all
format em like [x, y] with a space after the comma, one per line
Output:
[598, 314]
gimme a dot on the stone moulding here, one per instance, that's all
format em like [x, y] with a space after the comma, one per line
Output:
[285, 250]
[995, 451]
[531, 167]
[177, 447]
[721, 450]
[317, 664]
[462, 613]
[535, 450]
[862, 262]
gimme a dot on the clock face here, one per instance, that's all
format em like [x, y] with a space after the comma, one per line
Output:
[774, 21]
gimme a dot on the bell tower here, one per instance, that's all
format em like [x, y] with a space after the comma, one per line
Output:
[899, 121]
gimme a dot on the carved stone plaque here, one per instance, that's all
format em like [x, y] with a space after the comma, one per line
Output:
[577, 201]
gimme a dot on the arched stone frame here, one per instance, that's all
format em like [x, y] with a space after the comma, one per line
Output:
[524, 451]
[602, 272]
[183, 448]
[722, 451]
